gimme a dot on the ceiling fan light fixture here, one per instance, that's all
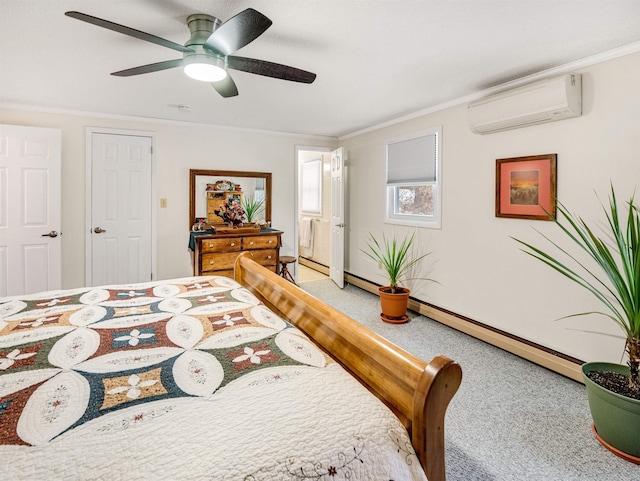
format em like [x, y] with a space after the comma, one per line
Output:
[204, 68]
[207, 54]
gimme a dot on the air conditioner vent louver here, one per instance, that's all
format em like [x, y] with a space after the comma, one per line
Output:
[544, 101]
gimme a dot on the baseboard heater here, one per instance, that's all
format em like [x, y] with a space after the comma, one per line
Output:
[305, 261]
[555, 361]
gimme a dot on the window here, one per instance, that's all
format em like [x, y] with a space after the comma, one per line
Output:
[311, 187]
[413, 179]
[259, 192]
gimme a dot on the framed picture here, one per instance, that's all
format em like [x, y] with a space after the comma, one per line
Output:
[526, 187]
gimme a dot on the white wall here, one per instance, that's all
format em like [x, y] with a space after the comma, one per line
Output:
[179, 147]
[482, 273]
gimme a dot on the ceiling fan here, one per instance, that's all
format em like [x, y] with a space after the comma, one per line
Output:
[207, 53]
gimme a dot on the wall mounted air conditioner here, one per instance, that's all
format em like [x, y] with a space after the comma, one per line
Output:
[543, 101]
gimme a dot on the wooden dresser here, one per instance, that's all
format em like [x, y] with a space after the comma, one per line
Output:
[215, 254]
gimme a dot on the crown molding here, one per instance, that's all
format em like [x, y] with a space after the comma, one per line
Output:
[562, 69]
[153, 120]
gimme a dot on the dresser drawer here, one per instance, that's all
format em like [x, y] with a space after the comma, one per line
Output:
[216, 254]
[218, 261]
[260, 242]
[265, 257]
[219, 245]
[225, 273]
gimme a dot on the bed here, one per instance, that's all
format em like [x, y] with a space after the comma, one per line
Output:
[212, 378]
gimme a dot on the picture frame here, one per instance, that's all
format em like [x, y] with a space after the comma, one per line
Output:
[526, 187]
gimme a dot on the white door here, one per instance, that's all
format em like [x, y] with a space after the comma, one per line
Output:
[30, 244]
[336, 265]
[119, 237]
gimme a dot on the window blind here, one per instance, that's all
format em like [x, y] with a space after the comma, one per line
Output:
[412, 160]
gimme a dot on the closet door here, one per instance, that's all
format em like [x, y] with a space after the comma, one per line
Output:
[30, 237]
[119, 230]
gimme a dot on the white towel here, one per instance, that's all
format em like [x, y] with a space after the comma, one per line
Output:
[306, 233]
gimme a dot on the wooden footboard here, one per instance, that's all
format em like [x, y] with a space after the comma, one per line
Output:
[416, 391]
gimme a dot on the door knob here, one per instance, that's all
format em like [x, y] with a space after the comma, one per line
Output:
[53, 233]
[99, 230]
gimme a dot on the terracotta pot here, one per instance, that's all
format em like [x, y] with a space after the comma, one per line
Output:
[394, 306]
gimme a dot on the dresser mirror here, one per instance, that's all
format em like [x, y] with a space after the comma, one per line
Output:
[257, 185]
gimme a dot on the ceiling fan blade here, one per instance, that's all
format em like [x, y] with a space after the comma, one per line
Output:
[238, 31]
[128, 31]
[152, 67]
[226, 87]
[270, 69]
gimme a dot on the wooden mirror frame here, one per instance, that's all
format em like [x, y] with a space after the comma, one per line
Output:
[193, 173]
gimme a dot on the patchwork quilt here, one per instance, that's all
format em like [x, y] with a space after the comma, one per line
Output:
[181, 379]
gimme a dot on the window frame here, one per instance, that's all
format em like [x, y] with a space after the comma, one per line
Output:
[391, 190]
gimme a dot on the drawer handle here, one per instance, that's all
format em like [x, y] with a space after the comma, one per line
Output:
[268, 257]
[232, 244]
[210, 263]
[250, 243]
[270, 241]
[210, 245]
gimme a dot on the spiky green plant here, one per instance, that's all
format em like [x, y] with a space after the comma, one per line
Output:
[616, 282]
[394, 257]
[252, 207]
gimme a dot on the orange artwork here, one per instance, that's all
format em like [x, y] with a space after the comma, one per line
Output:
[526, 187]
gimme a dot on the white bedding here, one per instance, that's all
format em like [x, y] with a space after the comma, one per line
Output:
[182, 379]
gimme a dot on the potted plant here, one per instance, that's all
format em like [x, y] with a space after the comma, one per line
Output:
[396, 259]
[613, 389]
[252, 207]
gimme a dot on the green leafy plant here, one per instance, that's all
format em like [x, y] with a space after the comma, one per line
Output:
[616, 283]
[394, 257]
[252, 207]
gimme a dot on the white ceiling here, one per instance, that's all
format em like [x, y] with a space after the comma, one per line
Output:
[375, 60]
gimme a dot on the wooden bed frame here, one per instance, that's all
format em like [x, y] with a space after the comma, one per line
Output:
[416, 391]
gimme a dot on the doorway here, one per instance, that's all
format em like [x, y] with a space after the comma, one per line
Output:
[120, 235]
[313, 212]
